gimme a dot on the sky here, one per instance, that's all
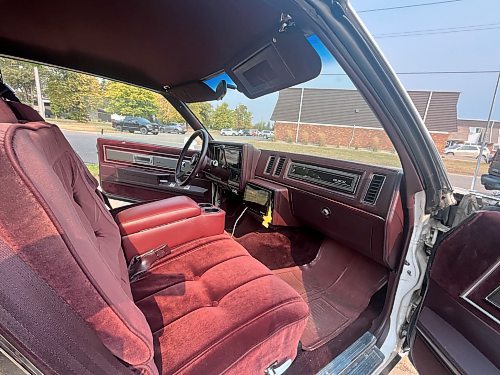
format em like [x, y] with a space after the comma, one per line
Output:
[455, 51]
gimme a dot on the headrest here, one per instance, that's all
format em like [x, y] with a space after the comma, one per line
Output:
[6, 114]
[24, 112]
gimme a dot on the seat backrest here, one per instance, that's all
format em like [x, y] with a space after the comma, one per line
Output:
[59, 226]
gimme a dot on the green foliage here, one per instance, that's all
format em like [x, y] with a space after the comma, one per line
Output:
[127, 100]
[203, 111]
[242, 117]
[73, 95]
[20, 77]
[165, 111]
[261, 125]
[223, 117]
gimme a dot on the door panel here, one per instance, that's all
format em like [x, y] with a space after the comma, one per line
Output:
[458, 328]
[141, 172]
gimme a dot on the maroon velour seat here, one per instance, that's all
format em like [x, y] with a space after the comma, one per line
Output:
[207, 308]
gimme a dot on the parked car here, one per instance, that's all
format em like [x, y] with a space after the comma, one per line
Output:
[268, 134]
[491, 180]
[133, 124]
[173, 128]
[245, 132]
[468, 151]
[229, 132]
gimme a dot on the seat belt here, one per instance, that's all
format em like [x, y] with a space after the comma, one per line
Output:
[140, 264]
[104, 198]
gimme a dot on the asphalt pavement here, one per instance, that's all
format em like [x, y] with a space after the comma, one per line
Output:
[85, 144]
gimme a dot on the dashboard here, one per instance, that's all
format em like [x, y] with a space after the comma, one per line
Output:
[227, 164]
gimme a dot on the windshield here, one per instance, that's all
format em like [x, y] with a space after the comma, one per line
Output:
[326, 116]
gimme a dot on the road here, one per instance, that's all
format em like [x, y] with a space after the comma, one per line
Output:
[85, 145]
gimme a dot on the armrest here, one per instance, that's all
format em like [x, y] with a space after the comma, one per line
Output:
[153, 214]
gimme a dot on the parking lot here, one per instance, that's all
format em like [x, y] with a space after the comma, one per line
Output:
[85, 145]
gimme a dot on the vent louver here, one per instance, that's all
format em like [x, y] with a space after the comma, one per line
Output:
[279, 166]
[374, 188]
[270, 164]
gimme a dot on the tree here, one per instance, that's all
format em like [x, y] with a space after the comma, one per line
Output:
[203, 111]
[166, 112]
[20, 77]
[242, 117]
[127, 100]
[261, 125]
[73, 95]
[223, 117]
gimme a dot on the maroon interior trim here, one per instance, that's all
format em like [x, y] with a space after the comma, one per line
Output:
[10, 153]
[386, 197]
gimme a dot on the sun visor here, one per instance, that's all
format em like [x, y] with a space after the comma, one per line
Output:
[194, 92]
[286, 60]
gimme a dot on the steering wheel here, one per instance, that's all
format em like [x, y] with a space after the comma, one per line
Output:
[197, 161]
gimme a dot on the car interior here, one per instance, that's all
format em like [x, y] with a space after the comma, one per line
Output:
[230, 259]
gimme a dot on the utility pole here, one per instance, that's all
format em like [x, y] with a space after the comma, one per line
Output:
[299, 116]
[41, 108]
[483, 136]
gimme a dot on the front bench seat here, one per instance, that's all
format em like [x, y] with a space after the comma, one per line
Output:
[208, 307]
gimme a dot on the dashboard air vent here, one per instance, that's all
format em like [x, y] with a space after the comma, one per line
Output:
[270, 164]
[279, 166]
[374, 188]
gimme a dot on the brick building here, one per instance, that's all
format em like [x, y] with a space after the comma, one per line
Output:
[471, 131]
[343, 118]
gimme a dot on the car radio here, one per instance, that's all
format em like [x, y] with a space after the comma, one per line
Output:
[258, 199]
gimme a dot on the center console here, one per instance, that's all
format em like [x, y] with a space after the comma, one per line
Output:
[262, 196]
[167, 223]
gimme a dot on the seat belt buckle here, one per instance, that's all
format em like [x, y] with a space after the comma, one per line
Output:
[140, 264]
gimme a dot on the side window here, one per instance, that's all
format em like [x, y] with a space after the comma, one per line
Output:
[87, 107]
[326, 116]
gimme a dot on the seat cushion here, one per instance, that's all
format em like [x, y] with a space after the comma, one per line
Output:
[214, 309]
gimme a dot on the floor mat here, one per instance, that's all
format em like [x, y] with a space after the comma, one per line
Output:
[338, 286]
[284, 248]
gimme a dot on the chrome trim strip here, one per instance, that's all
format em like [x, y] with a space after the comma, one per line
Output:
[474, 285]
[494, 303]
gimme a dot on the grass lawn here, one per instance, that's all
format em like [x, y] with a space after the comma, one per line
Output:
[362, 156]
[453, 166]
[94, 169]
[94, 127]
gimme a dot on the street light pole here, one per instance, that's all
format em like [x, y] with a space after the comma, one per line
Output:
[299, 116]
[483, 137]
[39, 99]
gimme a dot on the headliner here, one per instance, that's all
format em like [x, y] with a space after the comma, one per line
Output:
[147, 43]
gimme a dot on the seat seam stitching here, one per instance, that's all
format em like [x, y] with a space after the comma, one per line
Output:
[12, 156]
[202, 307]
[274, 308]
[262, 341]
[184, 281]
[169, 260]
